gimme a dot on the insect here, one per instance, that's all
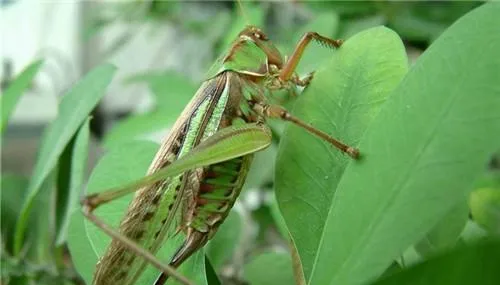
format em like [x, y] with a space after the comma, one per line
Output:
[200, 168]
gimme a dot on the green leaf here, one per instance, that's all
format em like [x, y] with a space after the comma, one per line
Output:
[422, 153]
[212, 278]
[13, 191]
[279, 221]
[40, 236]
[342, 99]
[270, 268]
[73, 110]
[446, 233]
[220, 249]
[73, 173]
[9, 98]
[37, 240]
[476, 264]
[82, 251]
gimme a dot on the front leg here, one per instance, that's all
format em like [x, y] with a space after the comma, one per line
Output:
[289, 68]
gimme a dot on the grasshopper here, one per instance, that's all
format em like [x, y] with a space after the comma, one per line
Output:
[200, 168]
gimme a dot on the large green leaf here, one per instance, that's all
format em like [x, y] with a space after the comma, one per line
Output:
[342, 99]
[423, 152]
[446, 232]
[477, 264]
[73, 110]
[16, 88]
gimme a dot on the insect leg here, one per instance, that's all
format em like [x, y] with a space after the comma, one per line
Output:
[194, 241]
[88, 207]
[289, 68]
[276, 111]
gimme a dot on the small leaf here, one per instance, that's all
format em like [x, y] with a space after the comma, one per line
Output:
[73, 110]
[13, 191]
[9, 98]
[40, 236]
[73, 170]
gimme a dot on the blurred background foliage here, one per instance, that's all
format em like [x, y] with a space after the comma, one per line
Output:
[255, 238]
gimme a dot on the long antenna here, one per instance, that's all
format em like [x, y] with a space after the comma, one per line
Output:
[242, 12]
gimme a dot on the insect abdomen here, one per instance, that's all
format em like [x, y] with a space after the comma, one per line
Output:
[218, 191]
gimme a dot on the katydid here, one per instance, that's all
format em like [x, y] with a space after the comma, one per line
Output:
[200, 168]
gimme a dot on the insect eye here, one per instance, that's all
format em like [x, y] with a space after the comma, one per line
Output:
[260, 36]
